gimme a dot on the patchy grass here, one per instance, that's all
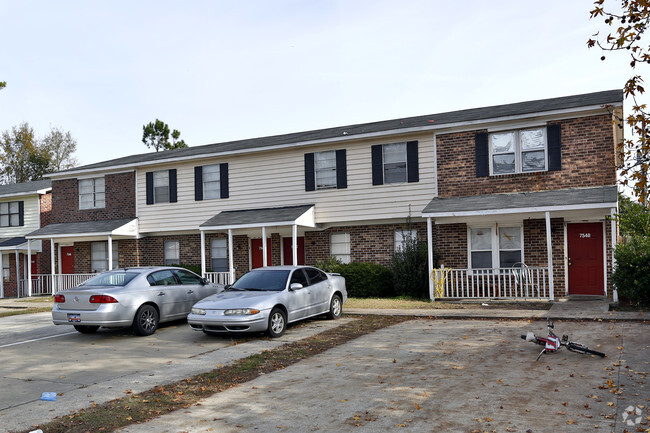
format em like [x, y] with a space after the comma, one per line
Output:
[28, 306]
[18, 311]
[425, 304]
[137, 408]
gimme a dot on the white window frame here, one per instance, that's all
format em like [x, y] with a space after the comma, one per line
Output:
[325, 169]
[211, 187]
[518, 151]
[172, 252]
[399, 238]
[97, 193]
[342, 240]
[161, 186]
[10, 214]
[219, 250]
[96, 256]
[6, 267]
[495, 247]
[389, 165]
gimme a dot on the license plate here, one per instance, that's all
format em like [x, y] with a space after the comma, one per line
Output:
[74, 318]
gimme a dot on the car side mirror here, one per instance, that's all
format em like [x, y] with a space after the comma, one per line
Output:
[204, 282]
[295, 286]
[227, 286]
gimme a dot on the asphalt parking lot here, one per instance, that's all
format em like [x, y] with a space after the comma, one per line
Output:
[442, 375]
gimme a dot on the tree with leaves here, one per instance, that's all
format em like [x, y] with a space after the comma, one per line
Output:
[3, 84]
[156, 135]
[627, 33]
[25, 158]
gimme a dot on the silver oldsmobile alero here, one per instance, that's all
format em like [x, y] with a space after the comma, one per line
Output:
[269, 298]
[137, 297]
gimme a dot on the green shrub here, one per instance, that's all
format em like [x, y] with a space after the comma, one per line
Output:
[632, 274]
[410, 267]
[366, 280]
[329, 265]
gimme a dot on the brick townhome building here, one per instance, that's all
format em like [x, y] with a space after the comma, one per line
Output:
[512, 197]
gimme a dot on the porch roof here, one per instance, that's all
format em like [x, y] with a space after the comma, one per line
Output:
[18, 243]
[573, 199]
[89, 229]
[302, 215]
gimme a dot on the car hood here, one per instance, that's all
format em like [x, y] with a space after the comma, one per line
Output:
[239, 299]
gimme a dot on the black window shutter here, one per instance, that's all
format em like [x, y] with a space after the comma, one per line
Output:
[341, 169]
[223, 180]
[377, 165]
[554, 138]
[149, 181]
[21, 213]
[173, 197]
[412, 166]
[482, 154]
[198, 183]
[310, 175]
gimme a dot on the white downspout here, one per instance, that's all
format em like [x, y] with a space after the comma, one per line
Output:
[264, 264]
[202, 254]
[294, 247]
[52, 267]
[17, 274]
[231, 260]
[29, 267]
[110, 252]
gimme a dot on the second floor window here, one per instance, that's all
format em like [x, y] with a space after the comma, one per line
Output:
[326, 170]
[211, 181]
[518, 151]
[161, 186]
[92, 193]
[10, 214]
[395, 163]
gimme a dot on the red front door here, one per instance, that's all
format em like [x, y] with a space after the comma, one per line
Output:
[256, 253]
[585, 248]
[287, 251]
[67, 260]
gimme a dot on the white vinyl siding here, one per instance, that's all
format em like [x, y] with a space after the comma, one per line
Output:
[31, 218]
[276, 178]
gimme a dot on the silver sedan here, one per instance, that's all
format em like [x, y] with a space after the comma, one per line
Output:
[137, 297]
[267, 299]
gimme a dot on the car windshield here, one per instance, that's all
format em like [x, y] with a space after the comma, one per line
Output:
[272, 280]
[116, 278]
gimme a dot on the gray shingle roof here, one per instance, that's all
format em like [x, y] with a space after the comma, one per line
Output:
[12, 242]
[74, 229]
[257, 216]
[447, 206]
[25, 187]
[350, 131]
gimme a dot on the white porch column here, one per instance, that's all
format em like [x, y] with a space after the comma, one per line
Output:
[549, 255]
[294, 244]
[202, 254]
[17, 275]
[231, 260]
[264, 264]
[430, 255]
[613, 227]
[52, 266]
[29, 267]
[110, 252]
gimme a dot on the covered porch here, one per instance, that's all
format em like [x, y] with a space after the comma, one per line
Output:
[255, 223]
[67, 234]
[523, 245]
[18, 247]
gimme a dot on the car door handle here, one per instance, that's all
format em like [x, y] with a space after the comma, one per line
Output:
[189, 292]
[161, 294]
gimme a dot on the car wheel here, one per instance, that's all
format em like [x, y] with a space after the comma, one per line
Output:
[336, 307]
[85, 329]
[146, 321]
[277, 323]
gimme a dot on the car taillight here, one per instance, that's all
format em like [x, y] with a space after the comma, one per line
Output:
[59, 299]
[102, 299]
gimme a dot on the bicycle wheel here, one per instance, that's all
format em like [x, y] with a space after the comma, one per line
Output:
[579, 348]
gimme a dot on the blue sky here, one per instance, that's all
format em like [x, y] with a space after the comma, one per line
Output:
[227, 70]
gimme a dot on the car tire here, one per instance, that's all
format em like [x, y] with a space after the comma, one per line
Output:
[145, 321]
[277, 323]
[336, 308]
[86, 329]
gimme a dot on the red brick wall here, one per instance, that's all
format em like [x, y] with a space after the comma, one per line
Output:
[120, 200]
[587, 160]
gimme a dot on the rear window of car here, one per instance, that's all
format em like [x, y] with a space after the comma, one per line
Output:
[315, 276]
[111, 279]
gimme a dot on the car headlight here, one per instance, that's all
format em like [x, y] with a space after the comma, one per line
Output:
[241, 312]
[198, 311]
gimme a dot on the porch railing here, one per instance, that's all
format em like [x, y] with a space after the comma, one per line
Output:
[525, 282]
[48, 284]
[218, 277]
